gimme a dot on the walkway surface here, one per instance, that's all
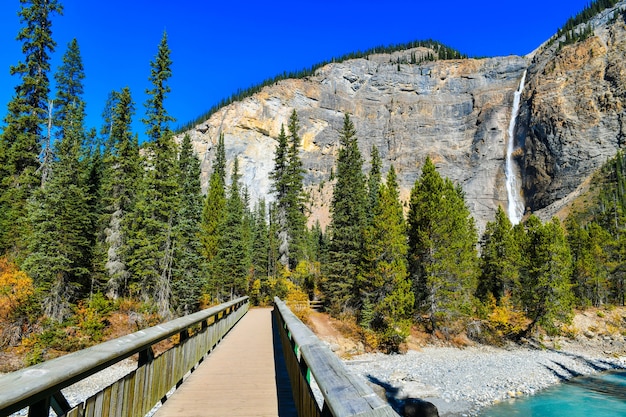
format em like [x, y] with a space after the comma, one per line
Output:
[239, 378]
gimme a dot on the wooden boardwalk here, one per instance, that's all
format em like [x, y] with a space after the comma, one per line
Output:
[244, 376]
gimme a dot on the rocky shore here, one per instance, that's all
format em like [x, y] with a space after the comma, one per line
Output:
[460, 382]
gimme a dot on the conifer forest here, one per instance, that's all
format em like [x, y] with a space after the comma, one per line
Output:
[94, 222]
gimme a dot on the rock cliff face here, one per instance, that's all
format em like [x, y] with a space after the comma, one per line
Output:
[573, 117]
[455, 112]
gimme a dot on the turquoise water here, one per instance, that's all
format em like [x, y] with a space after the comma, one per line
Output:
[599, 396]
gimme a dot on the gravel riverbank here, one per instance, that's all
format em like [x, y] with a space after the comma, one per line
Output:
[462, 381]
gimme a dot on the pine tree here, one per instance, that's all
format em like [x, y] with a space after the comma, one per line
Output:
[591, 251]
[348, 221]
[295, 199]
[442, 248]
[280, 186]
[261, 242]
[189, 267]
[230, 263]
[374, 181]
[69, 81]
[150, 250]
[60, 248]
[547, 293]
[27, 111]
[213, 211]
[121, 174]
[384, 281]
[500, 259]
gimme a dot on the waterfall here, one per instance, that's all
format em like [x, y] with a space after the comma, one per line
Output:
[516, 203]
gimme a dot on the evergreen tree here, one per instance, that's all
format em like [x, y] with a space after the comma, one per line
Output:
[260, 242]
[27, 111]
[69, 81]
[150, 252]
[500, 259]
[280, 186]
[121, 174]
[213, 211]
[157, 120]
[373, 182]
[295, 199]
[384, 281]
[189, 266]
[348, 221]
[547, 292]
[591, 249]
[442, 248]
[60, 248]
[230, 263]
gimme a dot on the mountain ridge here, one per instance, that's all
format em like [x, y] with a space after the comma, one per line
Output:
[455, 112]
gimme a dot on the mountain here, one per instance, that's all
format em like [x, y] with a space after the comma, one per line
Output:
[456, 112]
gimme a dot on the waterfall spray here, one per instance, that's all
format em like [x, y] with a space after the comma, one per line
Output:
[516, 203]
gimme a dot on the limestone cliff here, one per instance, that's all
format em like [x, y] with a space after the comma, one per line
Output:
[456, 112]
[572, 119]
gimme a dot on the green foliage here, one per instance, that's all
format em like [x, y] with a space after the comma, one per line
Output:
[569, 30]
[443, 260]
[545, 279]
[150, 244]
[189, 267]
[384, 283]
[348, 222]
[231, 265]
[120, 176]
[290, 198]
[213, 210]
[27, 111]
[500, 259]
[59, 257]
[69, 82]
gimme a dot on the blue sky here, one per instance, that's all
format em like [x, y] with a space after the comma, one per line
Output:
[218, 47]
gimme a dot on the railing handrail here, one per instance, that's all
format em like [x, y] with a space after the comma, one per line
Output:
[344, 394]
[26, 386]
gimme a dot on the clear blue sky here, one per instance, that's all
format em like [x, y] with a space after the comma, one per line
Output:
[218, 47]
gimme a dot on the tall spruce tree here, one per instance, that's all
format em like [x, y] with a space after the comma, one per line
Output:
[280, 186]
[500, 259]
[349, 218]
[61, 220]
[213, 210]
[547, 291]
[260, 242]
[591, 248]
[189, 267]
[151, 240]
[121, 174]
[69, 82]
[442, 248]
[231, 261]
[384, 282]
[20, 143]
[374, 181]
[295, 198]
[288, 188]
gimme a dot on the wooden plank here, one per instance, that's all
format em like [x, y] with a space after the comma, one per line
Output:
[237, 379]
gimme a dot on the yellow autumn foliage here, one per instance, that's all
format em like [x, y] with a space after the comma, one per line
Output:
[15, 288]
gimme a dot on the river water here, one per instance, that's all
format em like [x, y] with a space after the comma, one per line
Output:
[602, 395]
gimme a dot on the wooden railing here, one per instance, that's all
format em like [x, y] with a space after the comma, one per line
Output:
[306, 356]
[39, 387]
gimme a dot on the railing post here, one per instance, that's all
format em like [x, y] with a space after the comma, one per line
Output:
[40, 408]
[145, 356]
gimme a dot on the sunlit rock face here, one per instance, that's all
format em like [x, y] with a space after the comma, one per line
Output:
[455, 112]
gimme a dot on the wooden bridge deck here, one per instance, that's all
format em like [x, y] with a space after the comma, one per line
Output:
[244, 376]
